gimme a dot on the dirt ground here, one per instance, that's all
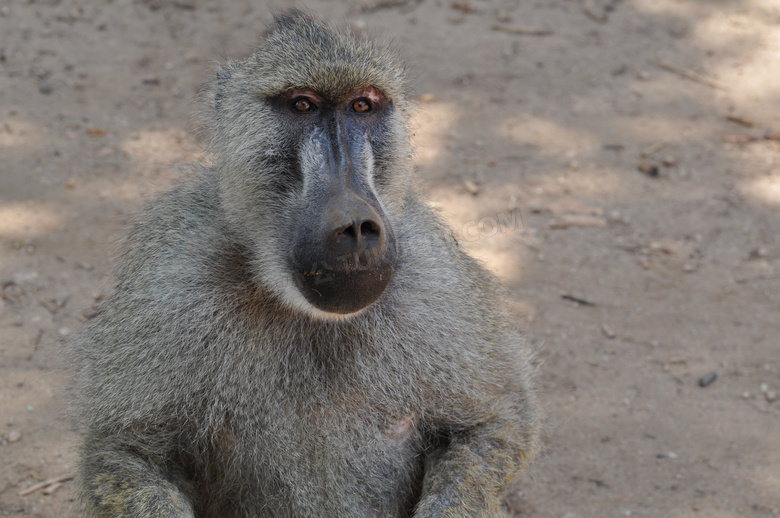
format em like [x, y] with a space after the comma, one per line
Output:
[613, 161]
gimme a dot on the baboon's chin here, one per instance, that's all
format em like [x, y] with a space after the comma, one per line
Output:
[344, 292]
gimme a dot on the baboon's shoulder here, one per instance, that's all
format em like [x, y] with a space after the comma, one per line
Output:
[177, 229]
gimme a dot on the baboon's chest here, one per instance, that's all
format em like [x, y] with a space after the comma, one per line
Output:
[333, 462]
[331, 440]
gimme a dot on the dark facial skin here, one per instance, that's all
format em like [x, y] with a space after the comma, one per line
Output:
[342, 250]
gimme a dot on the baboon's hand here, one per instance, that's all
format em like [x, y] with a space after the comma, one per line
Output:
[121, 484]
[467, 479]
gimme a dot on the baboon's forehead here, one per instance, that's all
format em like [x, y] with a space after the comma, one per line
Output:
[309, 55]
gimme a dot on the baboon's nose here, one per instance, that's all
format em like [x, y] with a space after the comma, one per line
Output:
[359, 233]
[356, 236]
[344, 254]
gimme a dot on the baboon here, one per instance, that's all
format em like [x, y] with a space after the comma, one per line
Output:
[293, 331]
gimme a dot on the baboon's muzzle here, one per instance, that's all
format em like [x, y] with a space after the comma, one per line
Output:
[343, 249]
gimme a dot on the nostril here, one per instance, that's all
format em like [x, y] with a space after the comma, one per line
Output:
[349, 231]
[370, 229]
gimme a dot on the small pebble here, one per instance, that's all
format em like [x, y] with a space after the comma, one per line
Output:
[608, 331]
[758, 252]
[45, 87]
[708, 379]
[771, 396]
[471, 187]
[91, 312]
[14, 436]
[648, 168]
[85, 266]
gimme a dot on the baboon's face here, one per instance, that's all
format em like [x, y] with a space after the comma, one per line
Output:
[309, 135]
[341, 249]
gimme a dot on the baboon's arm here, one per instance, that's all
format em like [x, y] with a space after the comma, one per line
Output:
[121, 484]
[468, 477]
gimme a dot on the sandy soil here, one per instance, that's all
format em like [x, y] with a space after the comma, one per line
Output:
[533, 115]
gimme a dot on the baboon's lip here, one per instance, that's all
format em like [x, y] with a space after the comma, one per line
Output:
[347, 271]
[344, 291]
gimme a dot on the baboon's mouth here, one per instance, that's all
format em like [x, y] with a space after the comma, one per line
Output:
[346, 290]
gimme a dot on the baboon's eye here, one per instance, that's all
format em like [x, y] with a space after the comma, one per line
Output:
[303, 104]
[361, 105]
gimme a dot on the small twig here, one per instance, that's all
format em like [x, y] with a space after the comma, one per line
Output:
[45, 483]
[599, 13]
[743, 139]
[49, 307]
[593, 15]
[741, 120]
[578, 300]
[764, 277]
[690, 74]
[38, 338]
[522, 31]
[369, 7]
[52, 488]
[654, 148]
